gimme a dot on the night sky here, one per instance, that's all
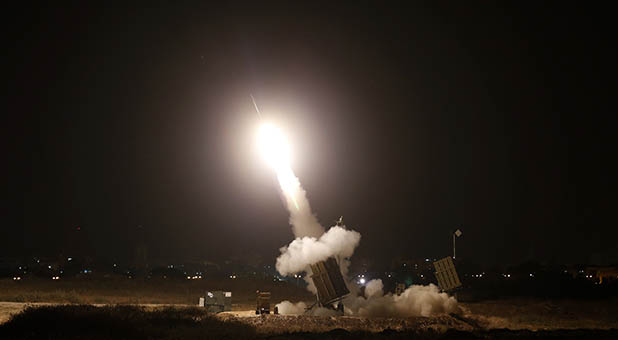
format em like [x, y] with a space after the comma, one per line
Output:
[408, 121]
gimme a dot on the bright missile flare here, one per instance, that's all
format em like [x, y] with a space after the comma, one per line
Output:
[274, 147]
[276, 151]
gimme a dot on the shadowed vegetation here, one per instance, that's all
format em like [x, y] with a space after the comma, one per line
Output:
[130, 322]
[120, 322]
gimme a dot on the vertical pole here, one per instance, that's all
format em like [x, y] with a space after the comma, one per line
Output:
[454, 254]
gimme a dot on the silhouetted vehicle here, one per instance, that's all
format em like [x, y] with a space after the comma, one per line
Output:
[263, 303]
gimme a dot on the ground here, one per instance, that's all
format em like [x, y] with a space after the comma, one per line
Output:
[484, 316]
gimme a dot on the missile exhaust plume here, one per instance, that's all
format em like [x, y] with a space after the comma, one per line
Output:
[275, 150]
[312, 244]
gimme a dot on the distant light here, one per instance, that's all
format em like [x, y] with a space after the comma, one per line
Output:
[389, 275]
[362, 281]
[531, 275]
[70, 259]
[114, 265]
[426, 260]
[16, 278]
[48, 267]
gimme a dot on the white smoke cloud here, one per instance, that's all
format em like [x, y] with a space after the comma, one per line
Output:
[415, 301]
[303, 221]
[340, 243]
[374, 289]
[304, 251]
[289, 308]
[312, 245]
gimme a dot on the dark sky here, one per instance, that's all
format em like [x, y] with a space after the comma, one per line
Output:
[409, 121]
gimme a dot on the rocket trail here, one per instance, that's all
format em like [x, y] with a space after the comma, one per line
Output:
[274, 146]
[256, 107]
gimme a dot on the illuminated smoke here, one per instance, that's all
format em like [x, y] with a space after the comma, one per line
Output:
[415, 301]
[340, 243]
[304, 251]
[276, 151]
[302, 220]
[312, 245]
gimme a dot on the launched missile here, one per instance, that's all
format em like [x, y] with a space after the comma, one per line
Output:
[275, 150]
[256, 107]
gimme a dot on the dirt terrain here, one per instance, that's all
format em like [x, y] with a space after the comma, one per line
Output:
[514, 314]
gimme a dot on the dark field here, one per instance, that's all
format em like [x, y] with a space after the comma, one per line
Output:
[131, 322]
[118, 316]
[140, 291]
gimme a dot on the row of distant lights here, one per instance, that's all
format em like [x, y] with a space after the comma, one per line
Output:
[232, 276]
[194, 277]
[18, 278]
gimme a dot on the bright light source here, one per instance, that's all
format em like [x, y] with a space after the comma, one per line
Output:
[362, 281]
[274, 146]
[276, 151]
